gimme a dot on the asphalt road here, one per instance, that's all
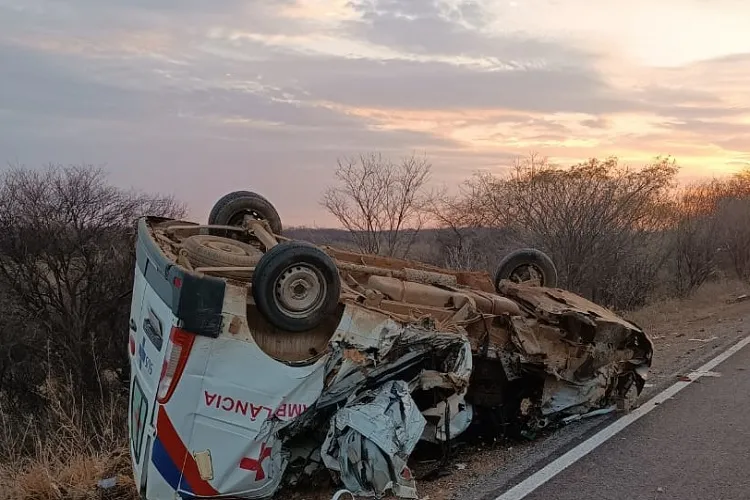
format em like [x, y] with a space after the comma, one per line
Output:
[695, 446]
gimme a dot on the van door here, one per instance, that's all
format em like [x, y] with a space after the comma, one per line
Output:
[153, 320]
[138, 405]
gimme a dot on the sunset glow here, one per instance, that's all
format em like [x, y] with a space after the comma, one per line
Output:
[198, 98]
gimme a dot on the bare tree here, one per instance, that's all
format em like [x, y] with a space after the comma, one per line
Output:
[733, 214]
[592, 218]
[713, 223]
[696, 234]
[380, 202]
[66, 266]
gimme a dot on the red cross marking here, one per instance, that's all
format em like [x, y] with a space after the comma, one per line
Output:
[252, 464]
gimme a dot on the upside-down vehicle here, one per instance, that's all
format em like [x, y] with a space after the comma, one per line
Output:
[257, 360]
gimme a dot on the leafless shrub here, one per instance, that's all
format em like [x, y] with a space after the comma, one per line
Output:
[712, 227]
[66, 268]
[733, 214]
[591, 218]
[380, 202]
[471, 237]
[696, 235]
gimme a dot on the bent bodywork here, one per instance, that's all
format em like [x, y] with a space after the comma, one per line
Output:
[412, 353]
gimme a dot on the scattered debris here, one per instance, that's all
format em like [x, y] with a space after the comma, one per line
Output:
[693, 376]
[595, 413]
[107, 483]
[710, 339]
[704, 373]
[737, 300]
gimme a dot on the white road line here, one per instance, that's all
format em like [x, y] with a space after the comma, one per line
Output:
[543, 475]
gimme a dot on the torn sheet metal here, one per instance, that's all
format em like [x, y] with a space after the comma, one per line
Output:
[584, 358]
[563, 396]
[374, 360]
[370, 440]
[456, 411]
[591, 357]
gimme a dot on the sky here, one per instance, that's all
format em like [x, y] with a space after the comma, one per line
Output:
[198, 98]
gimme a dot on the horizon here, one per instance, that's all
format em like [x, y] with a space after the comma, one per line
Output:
[196, 99]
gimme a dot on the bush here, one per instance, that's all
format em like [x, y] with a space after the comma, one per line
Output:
[595, 219]
[66, 270]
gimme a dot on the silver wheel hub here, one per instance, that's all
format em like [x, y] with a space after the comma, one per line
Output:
[299, 290]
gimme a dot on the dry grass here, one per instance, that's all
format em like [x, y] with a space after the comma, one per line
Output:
[69, 477]
[689, 329]
[711, 298]
[63, 452]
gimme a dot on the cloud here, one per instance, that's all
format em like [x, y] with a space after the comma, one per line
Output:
[437, 85]
[197, 97]
[436, 27]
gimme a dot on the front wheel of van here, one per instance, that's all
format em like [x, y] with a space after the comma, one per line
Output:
[295, 286]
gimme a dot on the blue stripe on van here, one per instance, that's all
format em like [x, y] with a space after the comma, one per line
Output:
[167, 468]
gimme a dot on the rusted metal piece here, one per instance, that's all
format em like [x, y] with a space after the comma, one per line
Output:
[591, 356]
[191, 228]
[415, 275]
[261, 231]
[235, 325]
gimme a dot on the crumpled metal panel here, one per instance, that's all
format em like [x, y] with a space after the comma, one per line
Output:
[591, 356]
[459, 415]
[372, 360]
[563, 396]
[370, 440]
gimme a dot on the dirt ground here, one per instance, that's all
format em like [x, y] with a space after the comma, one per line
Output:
[684, 332]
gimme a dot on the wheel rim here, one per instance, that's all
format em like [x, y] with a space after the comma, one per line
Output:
[525, 273]
[300, 290]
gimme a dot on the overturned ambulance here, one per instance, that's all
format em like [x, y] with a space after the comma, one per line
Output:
[256, 359]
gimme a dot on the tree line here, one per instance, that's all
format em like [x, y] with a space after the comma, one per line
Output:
[617, 234]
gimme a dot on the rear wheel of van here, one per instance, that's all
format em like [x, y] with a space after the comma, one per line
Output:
[527, 265]
[232, 208]
[296, 285]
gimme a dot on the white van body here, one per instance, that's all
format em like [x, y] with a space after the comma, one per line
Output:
[204, 436]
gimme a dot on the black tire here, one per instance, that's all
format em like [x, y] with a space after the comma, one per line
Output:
[525, 258]
[231, 209]
[214, 251]
[305, 265]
